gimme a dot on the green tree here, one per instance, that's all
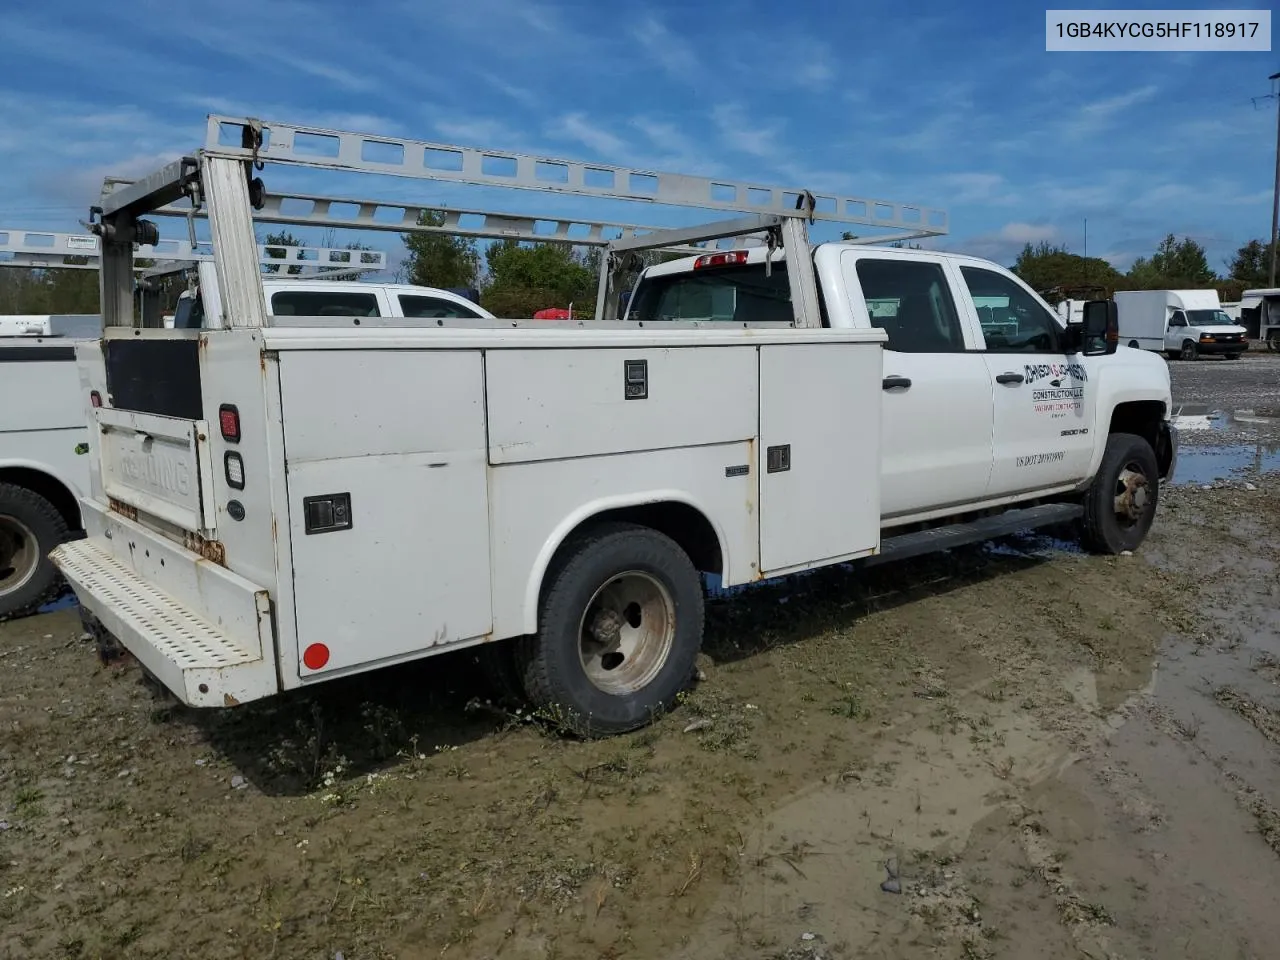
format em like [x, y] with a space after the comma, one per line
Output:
[54, 290]
[1176, 264]
[1048, 268]
[439, 260]
[1250, 265]
[525, 278]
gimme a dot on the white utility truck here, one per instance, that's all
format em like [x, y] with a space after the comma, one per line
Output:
[1262, 307]
[281, 500]
[44, 472]
[1182, 324]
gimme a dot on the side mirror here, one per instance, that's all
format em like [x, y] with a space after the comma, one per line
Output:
[1100, 328]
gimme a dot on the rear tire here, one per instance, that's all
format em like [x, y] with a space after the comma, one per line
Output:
[30, 527]
[1121, 503]
[620, 628]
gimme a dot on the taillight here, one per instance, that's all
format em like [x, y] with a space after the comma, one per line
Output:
[95, 398]
[229, 422]
[234, 466]
[726, 259]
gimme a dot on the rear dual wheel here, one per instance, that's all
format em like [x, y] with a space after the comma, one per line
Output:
[620, 627]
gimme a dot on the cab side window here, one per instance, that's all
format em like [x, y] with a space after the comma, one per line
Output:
[911, 302]
[433, 307]
[323, 303]
[1179, 319]
[1012, 321]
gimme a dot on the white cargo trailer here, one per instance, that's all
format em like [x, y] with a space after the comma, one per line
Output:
[282, 500]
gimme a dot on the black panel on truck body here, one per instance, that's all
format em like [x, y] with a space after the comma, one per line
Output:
[155, 376]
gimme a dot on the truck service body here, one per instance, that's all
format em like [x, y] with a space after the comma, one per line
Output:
[281, 500]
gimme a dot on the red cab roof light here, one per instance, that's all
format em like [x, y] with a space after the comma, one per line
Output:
[728, 258]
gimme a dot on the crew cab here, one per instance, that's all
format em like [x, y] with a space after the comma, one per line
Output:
[987, 400]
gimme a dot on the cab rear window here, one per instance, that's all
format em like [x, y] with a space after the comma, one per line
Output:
[731, 294]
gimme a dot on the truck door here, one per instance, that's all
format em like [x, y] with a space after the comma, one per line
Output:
[937, 403]
[1044, 402]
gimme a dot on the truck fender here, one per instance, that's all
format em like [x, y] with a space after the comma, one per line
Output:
[55, 476]
[594, 508]
[36, 466]
[1105, 411]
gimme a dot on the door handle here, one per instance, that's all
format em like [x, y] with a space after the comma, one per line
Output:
[889, 383]
[1010, 378]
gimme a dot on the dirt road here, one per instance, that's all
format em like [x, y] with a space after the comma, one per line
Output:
[1013, 751]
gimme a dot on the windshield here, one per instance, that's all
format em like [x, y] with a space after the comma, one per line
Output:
[736, 293]
[1209, 318]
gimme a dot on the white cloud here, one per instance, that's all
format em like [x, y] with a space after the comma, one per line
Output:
[1004, 245]
[576, 127]
[746, 134]
[666, 49]
[978, 188]
[1092, 118]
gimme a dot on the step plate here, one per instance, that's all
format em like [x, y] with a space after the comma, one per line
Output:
[958, 534]
[187, 653]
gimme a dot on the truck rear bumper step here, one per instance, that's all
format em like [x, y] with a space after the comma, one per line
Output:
[958, 534]
[188, 654]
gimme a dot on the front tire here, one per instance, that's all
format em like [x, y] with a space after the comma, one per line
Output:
[30, 527]
[1121, 503]
[620, 628]
[1189, 351]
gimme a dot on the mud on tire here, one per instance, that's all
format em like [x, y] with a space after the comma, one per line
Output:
[620, 628]
[30, 526]
[1121, 503]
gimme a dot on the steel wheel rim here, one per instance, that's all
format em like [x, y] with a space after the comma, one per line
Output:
[19, 554]
[626, 633]
[1132, 495]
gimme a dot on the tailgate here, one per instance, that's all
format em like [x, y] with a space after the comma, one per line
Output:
[158, 465]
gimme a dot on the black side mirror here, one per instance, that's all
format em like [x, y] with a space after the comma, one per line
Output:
[1100, 328]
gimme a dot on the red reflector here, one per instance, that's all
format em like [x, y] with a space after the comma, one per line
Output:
[315, 656]
[726, 259]
[95, 398]
[229, 422]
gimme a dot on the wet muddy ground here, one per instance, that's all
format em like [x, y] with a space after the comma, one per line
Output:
[1015, 750]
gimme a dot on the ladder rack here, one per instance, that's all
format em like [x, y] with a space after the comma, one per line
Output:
[38, 249]
[324, 148]
[397, 217]
[218, 182]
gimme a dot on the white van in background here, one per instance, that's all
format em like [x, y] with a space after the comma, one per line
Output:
[1182, 324]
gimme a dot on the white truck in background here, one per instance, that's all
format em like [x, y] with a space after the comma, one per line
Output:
[280, 500]
[1261, 307]
[43, 439]
[44, 429]
[1182, 324]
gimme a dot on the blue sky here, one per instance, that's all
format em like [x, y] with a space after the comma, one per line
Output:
[953, 105]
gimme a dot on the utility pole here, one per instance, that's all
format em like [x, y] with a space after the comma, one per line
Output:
[1275, 199]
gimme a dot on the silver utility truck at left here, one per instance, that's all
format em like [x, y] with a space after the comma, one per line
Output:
[280, 500]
